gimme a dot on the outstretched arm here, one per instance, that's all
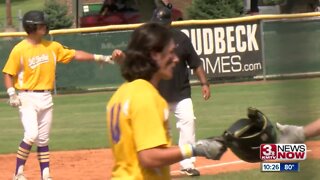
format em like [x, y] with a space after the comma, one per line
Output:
[85, 56]
[312, 129]
[157, 157]
[298, 134]
[290, 134]
[211, 148]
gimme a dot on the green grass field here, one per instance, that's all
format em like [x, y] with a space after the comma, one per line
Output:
[79, 119]
[16, 6]
[80, 123]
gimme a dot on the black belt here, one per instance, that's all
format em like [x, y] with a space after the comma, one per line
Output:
[36, 91]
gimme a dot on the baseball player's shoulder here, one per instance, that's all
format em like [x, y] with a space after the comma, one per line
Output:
[134, 91]
[50, 43]
[21, 46]
[142, 88]
[180, 37]
[23, 43]
[134, 88]
[179, 34]
[141, 84]
[143, 94]
[56, 45]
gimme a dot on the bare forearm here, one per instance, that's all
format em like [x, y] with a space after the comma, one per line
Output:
[83, 56]
[116, 56]
[312, 129]
[204, 83]
[7, 80]
[158, 157]
[212, 148]
[201, 75]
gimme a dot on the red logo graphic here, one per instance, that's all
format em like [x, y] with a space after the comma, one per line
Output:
[268, 151]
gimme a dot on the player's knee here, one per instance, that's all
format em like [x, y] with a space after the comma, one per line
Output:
[31, 136]
[42, 142]
[29, 139]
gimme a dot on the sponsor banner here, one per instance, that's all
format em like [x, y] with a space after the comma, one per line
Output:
[228, 49]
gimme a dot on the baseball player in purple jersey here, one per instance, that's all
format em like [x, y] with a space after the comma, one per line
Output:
[30, 69]
[177, 91]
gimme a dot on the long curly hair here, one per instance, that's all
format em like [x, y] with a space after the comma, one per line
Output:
[138, 64]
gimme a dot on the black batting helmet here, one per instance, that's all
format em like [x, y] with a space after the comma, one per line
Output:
[245, 136]
[162, 15]
[31, 19]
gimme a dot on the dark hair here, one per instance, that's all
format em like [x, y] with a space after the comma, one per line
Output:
[138, 64]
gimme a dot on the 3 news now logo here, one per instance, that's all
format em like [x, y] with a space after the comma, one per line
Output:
[283, 151]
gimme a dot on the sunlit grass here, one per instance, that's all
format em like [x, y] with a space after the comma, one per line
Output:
[18, 8]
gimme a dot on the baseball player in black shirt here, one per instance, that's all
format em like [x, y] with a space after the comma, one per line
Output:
[177, 91]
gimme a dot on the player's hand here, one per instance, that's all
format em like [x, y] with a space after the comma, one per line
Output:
[290, 134]
[211, 148]
[14, 100]
[206, 91]
[118, 56]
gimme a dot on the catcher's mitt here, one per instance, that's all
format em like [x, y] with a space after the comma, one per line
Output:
[223, 149]
[245, 136]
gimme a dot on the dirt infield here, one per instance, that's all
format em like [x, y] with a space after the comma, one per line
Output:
[97, 164]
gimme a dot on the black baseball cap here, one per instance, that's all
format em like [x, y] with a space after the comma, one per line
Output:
[162, 15]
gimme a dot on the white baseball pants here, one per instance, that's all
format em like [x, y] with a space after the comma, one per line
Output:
[36, 116]
[183, 111]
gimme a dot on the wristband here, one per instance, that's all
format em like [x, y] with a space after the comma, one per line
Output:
[109, 58]
[11, 91]
[186, 150]
[97, 57]
[102, 58]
